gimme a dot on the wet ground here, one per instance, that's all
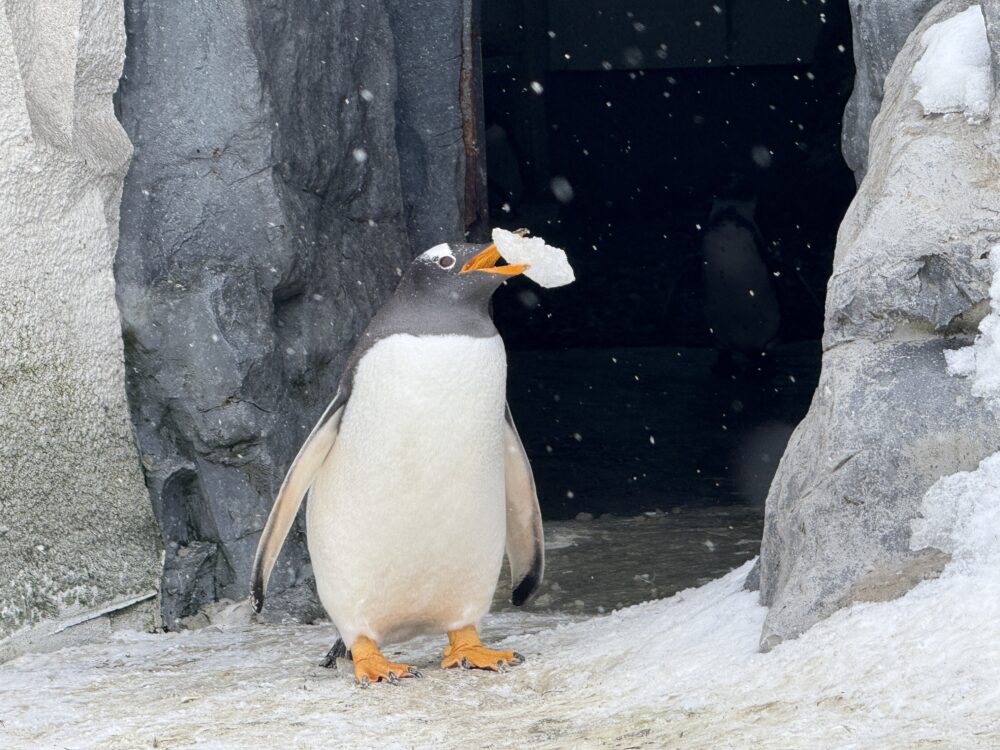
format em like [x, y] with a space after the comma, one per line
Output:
[600, 564]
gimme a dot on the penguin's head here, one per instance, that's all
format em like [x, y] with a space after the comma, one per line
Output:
[445, 290]
[461, 272]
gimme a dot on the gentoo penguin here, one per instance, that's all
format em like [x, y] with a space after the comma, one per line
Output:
[416, 476]
[741, 305]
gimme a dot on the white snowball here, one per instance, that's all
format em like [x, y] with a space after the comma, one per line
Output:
[547, 266]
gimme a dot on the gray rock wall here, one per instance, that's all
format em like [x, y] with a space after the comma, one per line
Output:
[427, 42]
[910, 280]
[77, 535]
[991, 14]
[879, 29]
[264, 220]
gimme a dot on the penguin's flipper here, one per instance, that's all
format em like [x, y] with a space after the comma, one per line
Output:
[525, 545]
[299, 478]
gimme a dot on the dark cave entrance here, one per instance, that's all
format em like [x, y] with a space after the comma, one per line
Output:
[612, 129]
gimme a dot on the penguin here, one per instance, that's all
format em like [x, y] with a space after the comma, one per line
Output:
[417, 480]
[741, 303]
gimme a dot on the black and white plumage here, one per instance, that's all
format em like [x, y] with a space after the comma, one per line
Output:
[417, 479]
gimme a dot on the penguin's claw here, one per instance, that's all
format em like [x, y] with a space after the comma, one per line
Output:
[380, 669]
[371, 666]
[465, 650]
[480, 657]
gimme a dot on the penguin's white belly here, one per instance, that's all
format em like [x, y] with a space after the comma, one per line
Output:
[407, 517]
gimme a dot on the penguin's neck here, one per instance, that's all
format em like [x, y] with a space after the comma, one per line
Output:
[433, 313]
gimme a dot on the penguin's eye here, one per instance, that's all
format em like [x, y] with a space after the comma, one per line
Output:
[446, 261]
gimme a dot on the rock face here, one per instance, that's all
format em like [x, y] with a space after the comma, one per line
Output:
[77, 534]
[911, 279]
[991, 14]
[879, 31]
[436, 124]
[264, 220]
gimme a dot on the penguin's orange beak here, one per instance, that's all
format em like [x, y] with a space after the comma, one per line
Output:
[486, 260]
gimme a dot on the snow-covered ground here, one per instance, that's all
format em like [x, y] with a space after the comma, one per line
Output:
[681, 672]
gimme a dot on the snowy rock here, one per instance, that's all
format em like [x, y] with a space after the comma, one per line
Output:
[254, 247]
[78, 542]
[852, 478]
[910, 282]
[981, 361]
[888, 582]
[960, 514]
[991, 12]
[911, 256]
[953, 74]
[879, 31]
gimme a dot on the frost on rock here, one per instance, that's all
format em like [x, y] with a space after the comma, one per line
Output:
[961, 515]
[953, 74]
[547, 265]
[981, 361]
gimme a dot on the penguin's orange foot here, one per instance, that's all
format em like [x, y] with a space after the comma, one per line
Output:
[370, 666]
[465, 650]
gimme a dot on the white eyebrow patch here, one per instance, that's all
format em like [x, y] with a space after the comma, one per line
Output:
[437, 252]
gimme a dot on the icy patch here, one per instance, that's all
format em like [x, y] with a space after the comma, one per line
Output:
[961, 515]
[981, 361]
[547, 265]
[953, 74]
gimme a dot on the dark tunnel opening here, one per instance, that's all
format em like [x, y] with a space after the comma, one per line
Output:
[642, 137]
